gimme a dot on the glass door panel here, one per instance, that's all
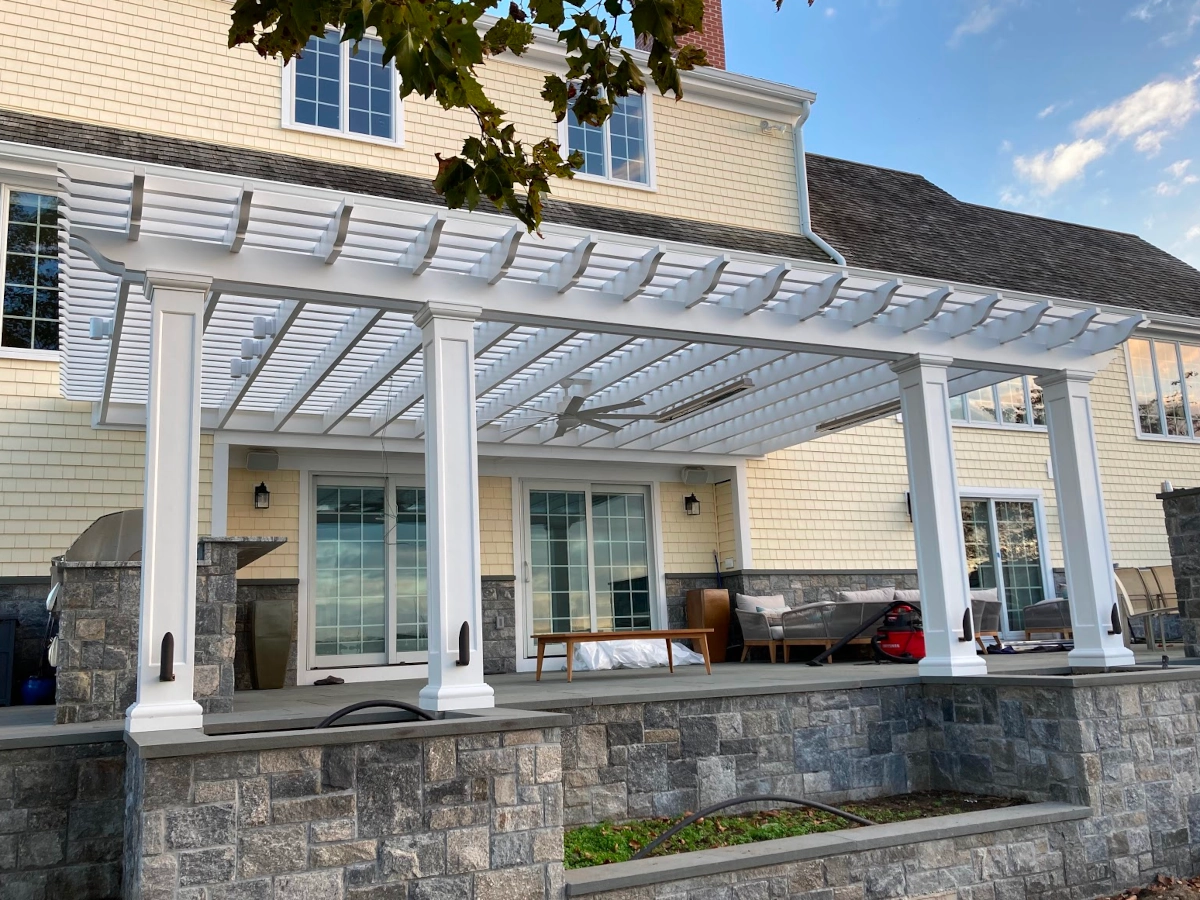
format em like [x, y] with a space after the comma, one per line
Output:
[349, 605]
[1020, 558]
[622, 553]
[558, 545]
[981, 553]
[411, 591]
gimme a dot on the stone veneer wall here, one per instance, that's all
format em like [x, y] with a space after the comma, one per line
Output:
[636, 760]
[98, 629]
[499, 625]
[1182, 511]
[247, 592]
[1128, 751]
[25, 600]
[61, 820]
[473, 816]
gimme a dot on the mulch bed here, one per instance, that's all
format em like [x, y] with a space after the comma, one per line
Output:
[1163, 887]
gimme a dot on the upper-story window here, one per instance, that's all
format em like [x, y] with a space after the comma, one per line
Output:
[618, 150]
[29, 271]
[1016, 403]
[1166, 387]
[331, 88]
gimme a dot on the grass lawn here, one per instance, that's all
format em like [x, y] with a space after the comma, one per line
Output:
[595, 845]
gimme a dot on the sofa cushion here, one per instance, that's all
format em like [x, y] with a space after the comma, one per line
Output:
[912, 598]
[750, 603]
[878, 595]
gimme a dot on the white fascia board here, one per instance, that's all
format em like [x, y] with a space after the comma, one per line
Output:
[707, 85]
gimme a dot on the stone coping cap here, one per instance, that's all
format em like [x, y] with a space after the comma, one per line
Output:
[1063, 677]
[167, 744]
[689, 866]
[22, 737]
[1178, 492]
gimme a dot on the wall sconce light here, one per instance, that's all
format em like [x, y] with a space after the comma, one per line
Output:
[262, 497]
[691, 505]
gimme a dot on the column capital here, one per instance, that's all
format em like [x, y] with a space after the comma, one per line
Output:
[438, 310]
[178, 281]
[920, 360]
[1066, 376]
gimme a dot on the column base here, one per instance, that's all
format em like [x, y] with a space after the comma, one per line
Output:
[457, 696]
[164, 716]
[952, 666]
[1101, 658]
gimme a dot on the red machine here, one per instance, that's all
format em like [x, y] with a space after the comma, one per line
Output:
[900, 637]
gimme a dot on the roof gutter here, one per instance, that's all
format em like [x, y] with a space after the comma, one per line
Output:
[802, 188]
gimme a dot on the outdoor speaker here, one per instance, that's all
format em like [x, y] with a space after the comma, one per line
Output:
[262, 460]
[696, 475]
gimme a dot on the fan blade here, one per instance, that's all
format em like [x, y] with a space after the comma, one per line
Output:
[623, 416]
[604, 426]
[563, 427]
[521, 422]
[574, 406]
[614, 407]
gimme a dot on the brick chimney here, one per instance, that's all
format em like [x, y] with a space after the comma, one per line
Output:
[712, 39]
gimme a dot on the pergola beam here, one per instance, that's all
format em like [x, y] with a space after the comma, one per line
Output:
[755, 295]
[637, 277]
[235, 236]
[402, 350]
[285, 316]
[815, 298]
[695, 288]
[420, 253]
[343, 342]
[565, 274]
[329, 248]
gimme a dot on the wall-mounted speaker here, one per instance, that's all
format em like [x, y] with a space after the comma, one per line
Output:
[262, 460]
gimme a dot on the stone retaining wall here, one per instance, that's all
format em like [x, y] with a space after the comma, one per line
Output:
[61, 815]
[499, 624]
[1182, 512]
[637, 760]
[469, 816]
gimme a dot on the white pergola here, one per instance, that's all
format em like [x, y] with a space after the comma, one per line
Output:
[195, 301]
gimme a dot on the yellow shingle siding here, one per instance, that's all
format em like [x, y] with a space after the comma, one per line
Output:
[726, 526]
[688, 541]
[164, 68]
[282, 519]
[58, 474]
[496, 525]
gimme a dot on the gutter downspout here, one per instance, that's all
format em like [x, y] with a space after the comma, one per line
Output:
[802, 188]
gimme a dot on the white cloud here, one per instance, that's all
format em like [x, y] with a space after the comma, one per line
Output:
[1050, 170]
[1006, 146]
[830, 12]
[1048, 111]
[1193, 233]
[1149, 115]
[1178, 169]
[982, 18]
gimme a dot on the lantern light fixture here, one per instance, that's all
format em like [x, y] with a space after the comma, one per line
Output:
[262, 497]
[691, 505]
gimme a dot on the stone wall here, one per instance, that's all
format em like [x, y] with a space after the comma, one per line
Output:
[637, 760]
[247, 593]
[499, 625]
[61, 815]
[216, 626]
[1128, 751]
[473, 816]
[25, 600]
[1182, 512]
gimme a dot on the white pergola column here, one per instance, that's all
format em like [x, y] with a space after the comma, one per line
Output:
[452, 508]
[937, 516]
[1087, 553]
[172, 500]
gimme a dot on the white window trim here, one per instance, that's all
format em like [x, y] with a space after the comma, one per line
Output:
[1163, 438]
[1000, 425]
[26, 353]
[658, 602]
[651, 184]
[288, 113]
[1032, 495]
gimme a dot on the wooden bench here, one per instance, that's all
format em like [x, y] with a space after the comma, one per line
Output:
[699, 635]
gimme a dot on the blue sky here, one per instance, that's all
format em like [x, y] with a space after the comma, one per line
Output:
[1084, 110]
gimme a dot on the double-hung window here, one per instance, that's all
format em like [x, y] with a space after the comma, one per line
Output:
[29, 270]
[1016, 403]
[1165, 377]
[332, 88]
[618, 150]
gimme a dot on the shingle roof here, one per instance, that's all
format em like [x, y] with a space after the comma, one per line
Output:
[23, 128]
[883, 219]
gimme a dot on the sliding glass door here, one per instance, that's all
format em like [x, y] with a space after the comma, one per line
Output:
[368, 596]
[1004, 551]
[588, 558]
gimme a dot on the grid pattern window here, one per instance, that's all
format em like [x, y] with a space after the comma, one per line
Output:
[1017, 404]
[558, 544]
[622, 551]
[1166, 387]
[618, 150]
[30, 272]
[351, 616]
[335, 88]
[412, 627]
